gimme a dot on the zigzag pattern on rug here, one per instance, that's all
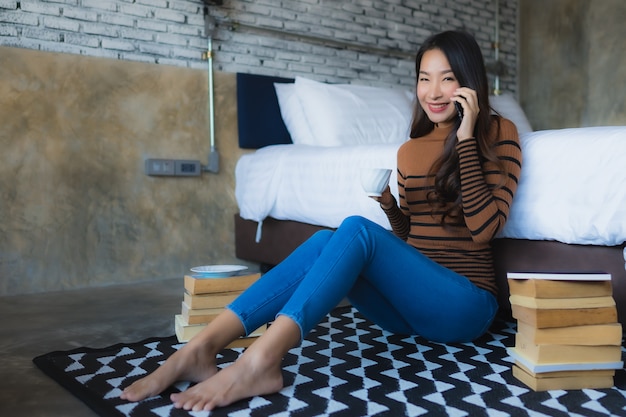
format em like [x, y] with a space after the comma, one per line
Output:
[347, 366]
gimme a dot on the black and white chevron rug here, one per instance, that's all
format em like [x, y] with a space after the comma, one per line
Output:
[349, 367]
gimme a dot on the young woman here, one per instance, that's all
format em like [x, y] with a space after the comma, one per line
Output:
[433, 276]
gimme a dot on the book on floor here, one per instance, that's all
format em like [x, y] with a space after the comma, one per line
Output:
[185, 332]
[561, 276]
[199, 315]
[562, 303]
[544, 318]
[560, 366]
[544, 288]
[559, 374]
[215, 300]
[199, 284]
[582, 380]
[547, 353]
[589, 335]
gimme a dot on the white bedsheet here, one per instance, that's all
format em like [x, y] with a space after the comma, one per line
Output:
[310, 184]
[572, 188]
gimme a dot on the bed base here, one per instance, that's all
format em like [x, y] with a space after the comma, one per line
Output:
[281, 237]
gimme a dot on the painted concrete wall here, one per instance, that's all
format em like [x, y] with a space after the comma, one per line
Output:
[76, 207]
[573, 68]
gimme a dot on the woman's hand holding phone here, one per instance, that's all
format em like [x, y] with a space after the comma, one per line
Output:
[466, 103]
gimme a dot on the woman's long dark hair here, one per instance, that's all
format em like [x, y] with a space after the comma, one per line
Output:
[467, 64]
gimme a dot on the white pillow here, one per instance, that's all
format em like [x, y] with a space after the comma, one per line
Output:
[509, 108]
[345, 114]
[293, 114]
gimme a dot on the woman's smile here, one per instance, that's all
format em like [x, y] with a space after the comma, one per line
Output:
[438, 107]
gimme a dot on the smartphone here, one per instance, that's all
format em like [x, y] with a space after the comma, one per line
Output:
[459, 109]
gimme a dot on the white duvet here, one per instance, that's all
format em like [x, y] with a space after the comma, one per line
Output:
[572, 188]
[311, 184]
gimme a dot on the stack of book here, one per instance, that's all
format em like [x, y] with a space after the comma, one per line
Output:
[567, 335]
[205, 298]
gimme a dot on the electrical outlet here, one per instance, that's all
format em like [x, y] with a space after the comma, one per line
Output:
[185, 168]
[173, 167]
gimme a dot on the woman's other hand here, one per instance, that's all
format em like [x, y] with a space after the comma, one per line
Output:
[386, 199]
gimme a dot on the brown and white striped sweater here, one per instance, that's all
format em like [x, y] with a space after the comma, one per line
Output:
[465, 250]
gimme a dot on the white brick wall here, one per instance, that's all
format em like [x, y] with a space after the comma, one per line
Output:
[172, 32]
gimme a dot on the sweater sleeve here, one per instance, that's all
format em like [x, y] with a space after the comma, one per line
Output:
[398, 221]
[487, 194]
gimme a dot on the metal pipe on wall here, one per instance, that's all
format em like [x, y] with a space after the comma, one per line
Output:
[213, 164]
[496, 46]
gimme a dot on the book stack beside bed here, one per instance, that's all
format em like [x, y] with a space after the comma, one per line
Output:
[205, 297]
[567, 336]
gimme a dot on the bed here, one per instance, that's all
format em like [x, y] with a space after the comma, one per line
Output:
[569, 213]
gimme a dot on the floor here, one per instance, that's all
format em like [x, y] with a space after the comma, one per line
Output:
[32, 325]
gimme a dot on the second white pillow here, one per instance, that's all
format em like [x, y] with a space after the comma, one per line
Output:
[346, 114]
[293, 114]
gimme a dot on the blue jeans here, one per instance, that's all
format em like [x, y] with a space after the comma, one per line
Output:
[388, 281]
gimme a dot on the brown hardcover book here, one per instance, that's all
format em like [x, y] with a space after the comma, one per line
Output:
[547, 354]
[185, 332]
[583, 380]
[543, 288]
[216, 300]
[199, 315]
[196, 284]
[544, 318]
[562, 303]
[538, 368]
[559, 374]
[590, 335]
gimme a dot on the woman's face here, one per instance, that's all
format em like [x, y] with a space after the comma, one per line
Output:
[436, 83]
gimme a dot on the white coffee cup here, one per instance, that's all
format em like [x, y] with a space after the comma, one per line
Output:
[374, 180]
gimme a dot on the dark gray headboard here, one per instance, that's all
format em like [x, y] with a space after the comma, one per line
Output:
[258, 114]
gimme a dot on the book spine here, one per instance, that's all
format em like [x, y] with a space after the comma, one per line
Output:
[562, 303]
[590, 335]
[563, 383]
[559, 289]
[543, 354]
[561, 367]
[197, 285]
[564, 317]
[209, 300]
[185, 332]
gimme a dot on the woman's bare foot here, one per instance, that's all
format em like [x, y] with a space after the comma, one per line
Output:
[192, 362]
[258, 371]
[251, 375]
[195, 362]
